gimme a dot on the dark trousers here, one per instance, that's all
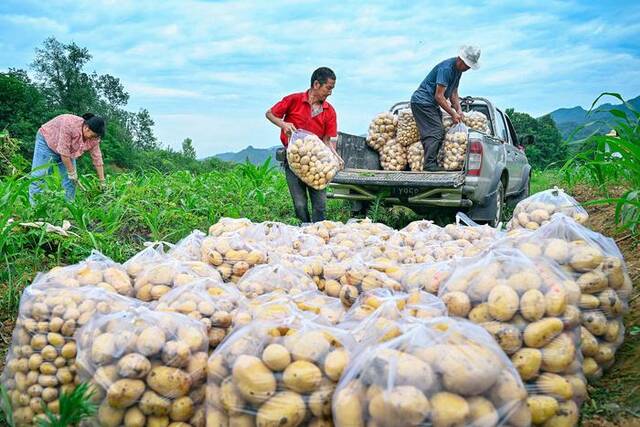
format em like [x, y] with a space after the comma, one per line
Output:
[429, 121]
[298, 190]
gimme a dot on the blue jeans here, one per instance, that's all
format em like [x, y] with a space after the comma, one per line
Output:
[43, 155]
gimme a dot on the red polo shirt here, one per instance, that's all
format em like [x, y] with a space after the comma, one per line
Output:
[296, 109]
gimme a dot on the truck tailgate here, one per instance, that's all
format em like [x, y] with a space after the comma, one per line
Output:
[395, 179]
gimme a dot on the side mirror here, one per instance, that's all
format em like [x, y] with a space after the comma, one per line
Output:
[527, 140]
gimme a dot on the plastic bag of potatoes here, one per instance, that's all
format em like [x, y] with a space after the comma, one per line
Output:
[270, 277]
[348, 279]
[41, 363]
[233, 254]
[276, 374]
[314, 162]
[537, 210]
[530, 308]
[214, 304]
[393, 156]
[426, 276]
[97, 270]
[476, 120]
[597, 266]
[415, 156]
[407, 382]
[381, 130]
[407, 133]
[147, 367]
[454, 148]
[189, 248]
[155, 274]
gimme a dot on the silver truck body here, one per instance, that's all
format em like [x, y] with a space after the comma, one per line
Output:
[503, 173]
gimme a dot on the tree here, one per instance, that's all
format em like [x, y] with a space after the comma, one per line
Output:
[140, 126]
[59, 71]
[549, 148]
[187, 149]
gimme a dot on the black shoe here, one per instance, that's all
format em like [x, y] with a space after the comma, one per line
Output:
[434, 168]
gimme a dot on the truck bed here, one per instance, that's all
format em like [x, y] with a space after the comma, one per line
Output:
[394, 178]
[363, 168]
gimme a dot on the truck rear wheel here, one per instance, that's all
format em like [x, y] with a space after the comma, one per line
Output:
[498, 201]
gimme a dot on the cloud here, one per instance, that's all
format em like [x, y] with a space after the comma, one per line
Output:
[163, 92]
[39, 22]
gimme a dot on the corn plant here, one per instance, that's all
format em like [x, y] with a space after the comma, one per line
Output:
[613, 160]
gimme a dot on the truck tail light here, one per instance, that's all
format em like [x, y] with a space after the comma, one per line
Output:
[475, 157]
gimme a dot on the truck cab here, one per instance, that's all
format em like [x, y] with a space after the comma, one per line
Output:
[495, 171]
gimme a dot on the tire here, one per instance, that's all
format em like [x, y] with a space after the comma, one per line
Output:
[513, 201]
[498, 199]
[359, 207]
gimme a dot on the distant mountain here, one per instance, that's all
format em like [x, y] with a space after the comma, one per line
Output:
[254, 155]
[568, 119]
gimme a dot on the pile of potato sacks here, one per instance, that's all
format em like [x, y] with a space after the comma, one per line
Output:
[330, 324]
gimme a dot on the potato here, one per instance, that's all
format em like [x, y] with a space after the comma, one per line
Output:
[319, 401]
[528, 362]
[182, 409]
[134, 365]
[302, 377]
[335, 363]
[276, 357]
[507, 336]
[558, 354]
[458, 303]
[542, 408]
[404, 403]
[555, 299]
[103, 348]
[284, 409]
[308, 346]
[540, 333]
[483, 413]
[555, 385]
[156, 421]
[109, 416]
[448, 409]
[532, 305]
[134, 418]
[169, 382]
[150, 341]
[586, 258]
[503, 303]
[347, 408]
[153, 404]
[567, 415]
[124, 393]
[480, 314]
[595, 322]
[255, 382]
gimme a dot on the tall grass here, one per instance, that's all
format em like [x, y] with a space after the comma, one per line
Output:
[612, 163]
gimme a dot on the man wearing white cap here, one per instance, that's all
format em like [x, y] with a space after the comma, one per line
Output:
[440, 89]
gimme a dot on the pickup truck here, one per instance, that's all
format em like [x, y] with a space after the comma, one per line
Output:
[496, 171]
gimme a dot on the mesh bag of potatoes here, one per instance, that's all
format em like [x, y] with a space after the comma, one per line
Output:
[156, 275]
[442, 372]
[314, 162]
[393, 156]
[476, 120]
[454, 147]
[415, 156]
[229, 225]
[147, 368]
[537, 210]
[598, 268]
[530, 308]
[214, 304]
[41, 363]
[233, 254]
[189, 248]
[407, 133]
[96, 270]
[381, 130]
[276, 374]
[270, 277]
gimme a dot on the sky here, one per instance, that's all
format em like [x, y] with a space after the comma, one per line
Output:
[209, 70]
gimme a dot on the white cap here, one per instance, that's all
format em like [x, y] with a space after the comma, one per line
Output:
[470, 55]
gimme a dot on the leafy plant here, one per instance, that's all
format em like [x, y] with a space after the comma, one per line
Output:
[74, 407]
[612, 161]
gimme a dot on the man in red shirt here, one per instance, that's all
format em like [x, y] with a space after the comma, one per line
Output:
[309, 111]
